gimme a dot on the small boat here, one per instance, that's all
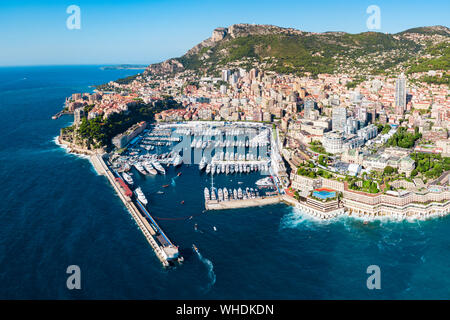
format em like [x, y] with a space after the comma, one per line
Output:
[195, 248]
[165, 186]
[215, 229]
[182, 202]
[195, 227]
[178, 174]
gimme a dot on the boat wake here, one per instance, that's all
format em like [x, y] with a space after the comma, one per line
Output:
[173, 182]
[210, 267]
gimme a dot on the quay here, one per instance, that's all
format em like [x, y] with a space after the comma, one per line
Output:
[241, 203]
[164, 249]
[59, 114]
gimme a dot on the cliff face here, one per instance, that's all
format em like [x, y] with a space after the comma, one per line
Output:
[241, 30]
[168, 66]
[218, 35]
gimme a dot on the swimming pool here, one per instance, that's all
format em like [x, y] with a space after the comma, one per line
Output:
[324, 193]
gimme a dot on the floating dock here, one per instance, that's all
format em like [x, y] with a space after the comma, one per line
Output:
[241, 203]
[164, 249]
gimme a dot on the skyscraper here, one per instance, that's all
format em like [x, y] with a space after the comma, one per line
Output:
[400, 94]
[226, 75]
[309, 108]
[339, 118]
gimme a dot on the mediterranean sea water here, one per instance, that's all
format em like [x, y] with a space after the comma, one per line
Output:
[55, 211]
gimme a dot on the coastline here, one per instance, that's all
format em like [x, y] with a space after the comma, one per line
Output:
[75, 149]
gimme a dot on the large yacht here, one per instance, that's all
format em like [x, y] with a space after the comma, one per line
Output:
[140, 195]
[159, 167]
[148, 166]
[140, 168]
[127, 178]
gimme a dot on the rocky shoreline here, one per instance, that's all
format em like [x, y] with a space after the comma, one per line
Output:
[76, 149]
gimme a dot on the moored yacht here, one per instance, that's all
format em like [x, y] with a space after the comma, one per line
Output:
[202, 164]
[148, 166]
[213, 194]
[225, 194]
[177, 161]
[127, 178]
[140, 195]
[159, 167]
[140, 168]
[206, 194]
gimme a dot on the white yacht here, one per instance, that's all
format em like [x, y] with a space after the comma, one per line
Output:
[127, 178]
[206, 194]
[202, 164]
[264, 182]
[148, 166]
[225, 194]
[159, 167]
[213, 194]
[140, 168]
[177, 161]
[140, 195]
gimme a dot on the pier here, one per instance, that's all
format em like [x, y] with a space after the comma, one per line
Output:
[164, 249]
[241, 203]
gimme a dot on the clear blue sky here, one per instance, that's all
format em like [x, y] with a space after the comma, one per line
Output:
[136, 31]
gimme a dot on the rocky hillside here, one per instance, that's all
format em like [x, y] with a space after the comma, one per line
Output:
[288, 50]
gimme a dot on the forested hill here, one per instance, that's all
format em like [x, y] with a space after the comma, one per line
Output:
[288, 50]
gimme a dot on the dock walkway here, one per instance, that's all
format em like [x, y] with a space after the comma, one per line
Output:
[234, 204]
[146, 228]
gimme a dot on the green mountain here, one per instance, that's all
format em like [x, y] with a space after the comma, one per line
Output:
[287, 50]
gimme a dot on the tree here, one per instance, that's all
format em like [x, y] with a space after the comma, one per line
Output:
[388, 170]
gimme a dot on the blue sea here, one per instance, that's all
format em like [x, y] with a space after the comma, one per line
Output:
[56, 211]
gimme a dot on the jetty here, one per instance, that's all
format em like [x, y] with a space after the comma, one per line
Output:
[241, 203]
[164, 249]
